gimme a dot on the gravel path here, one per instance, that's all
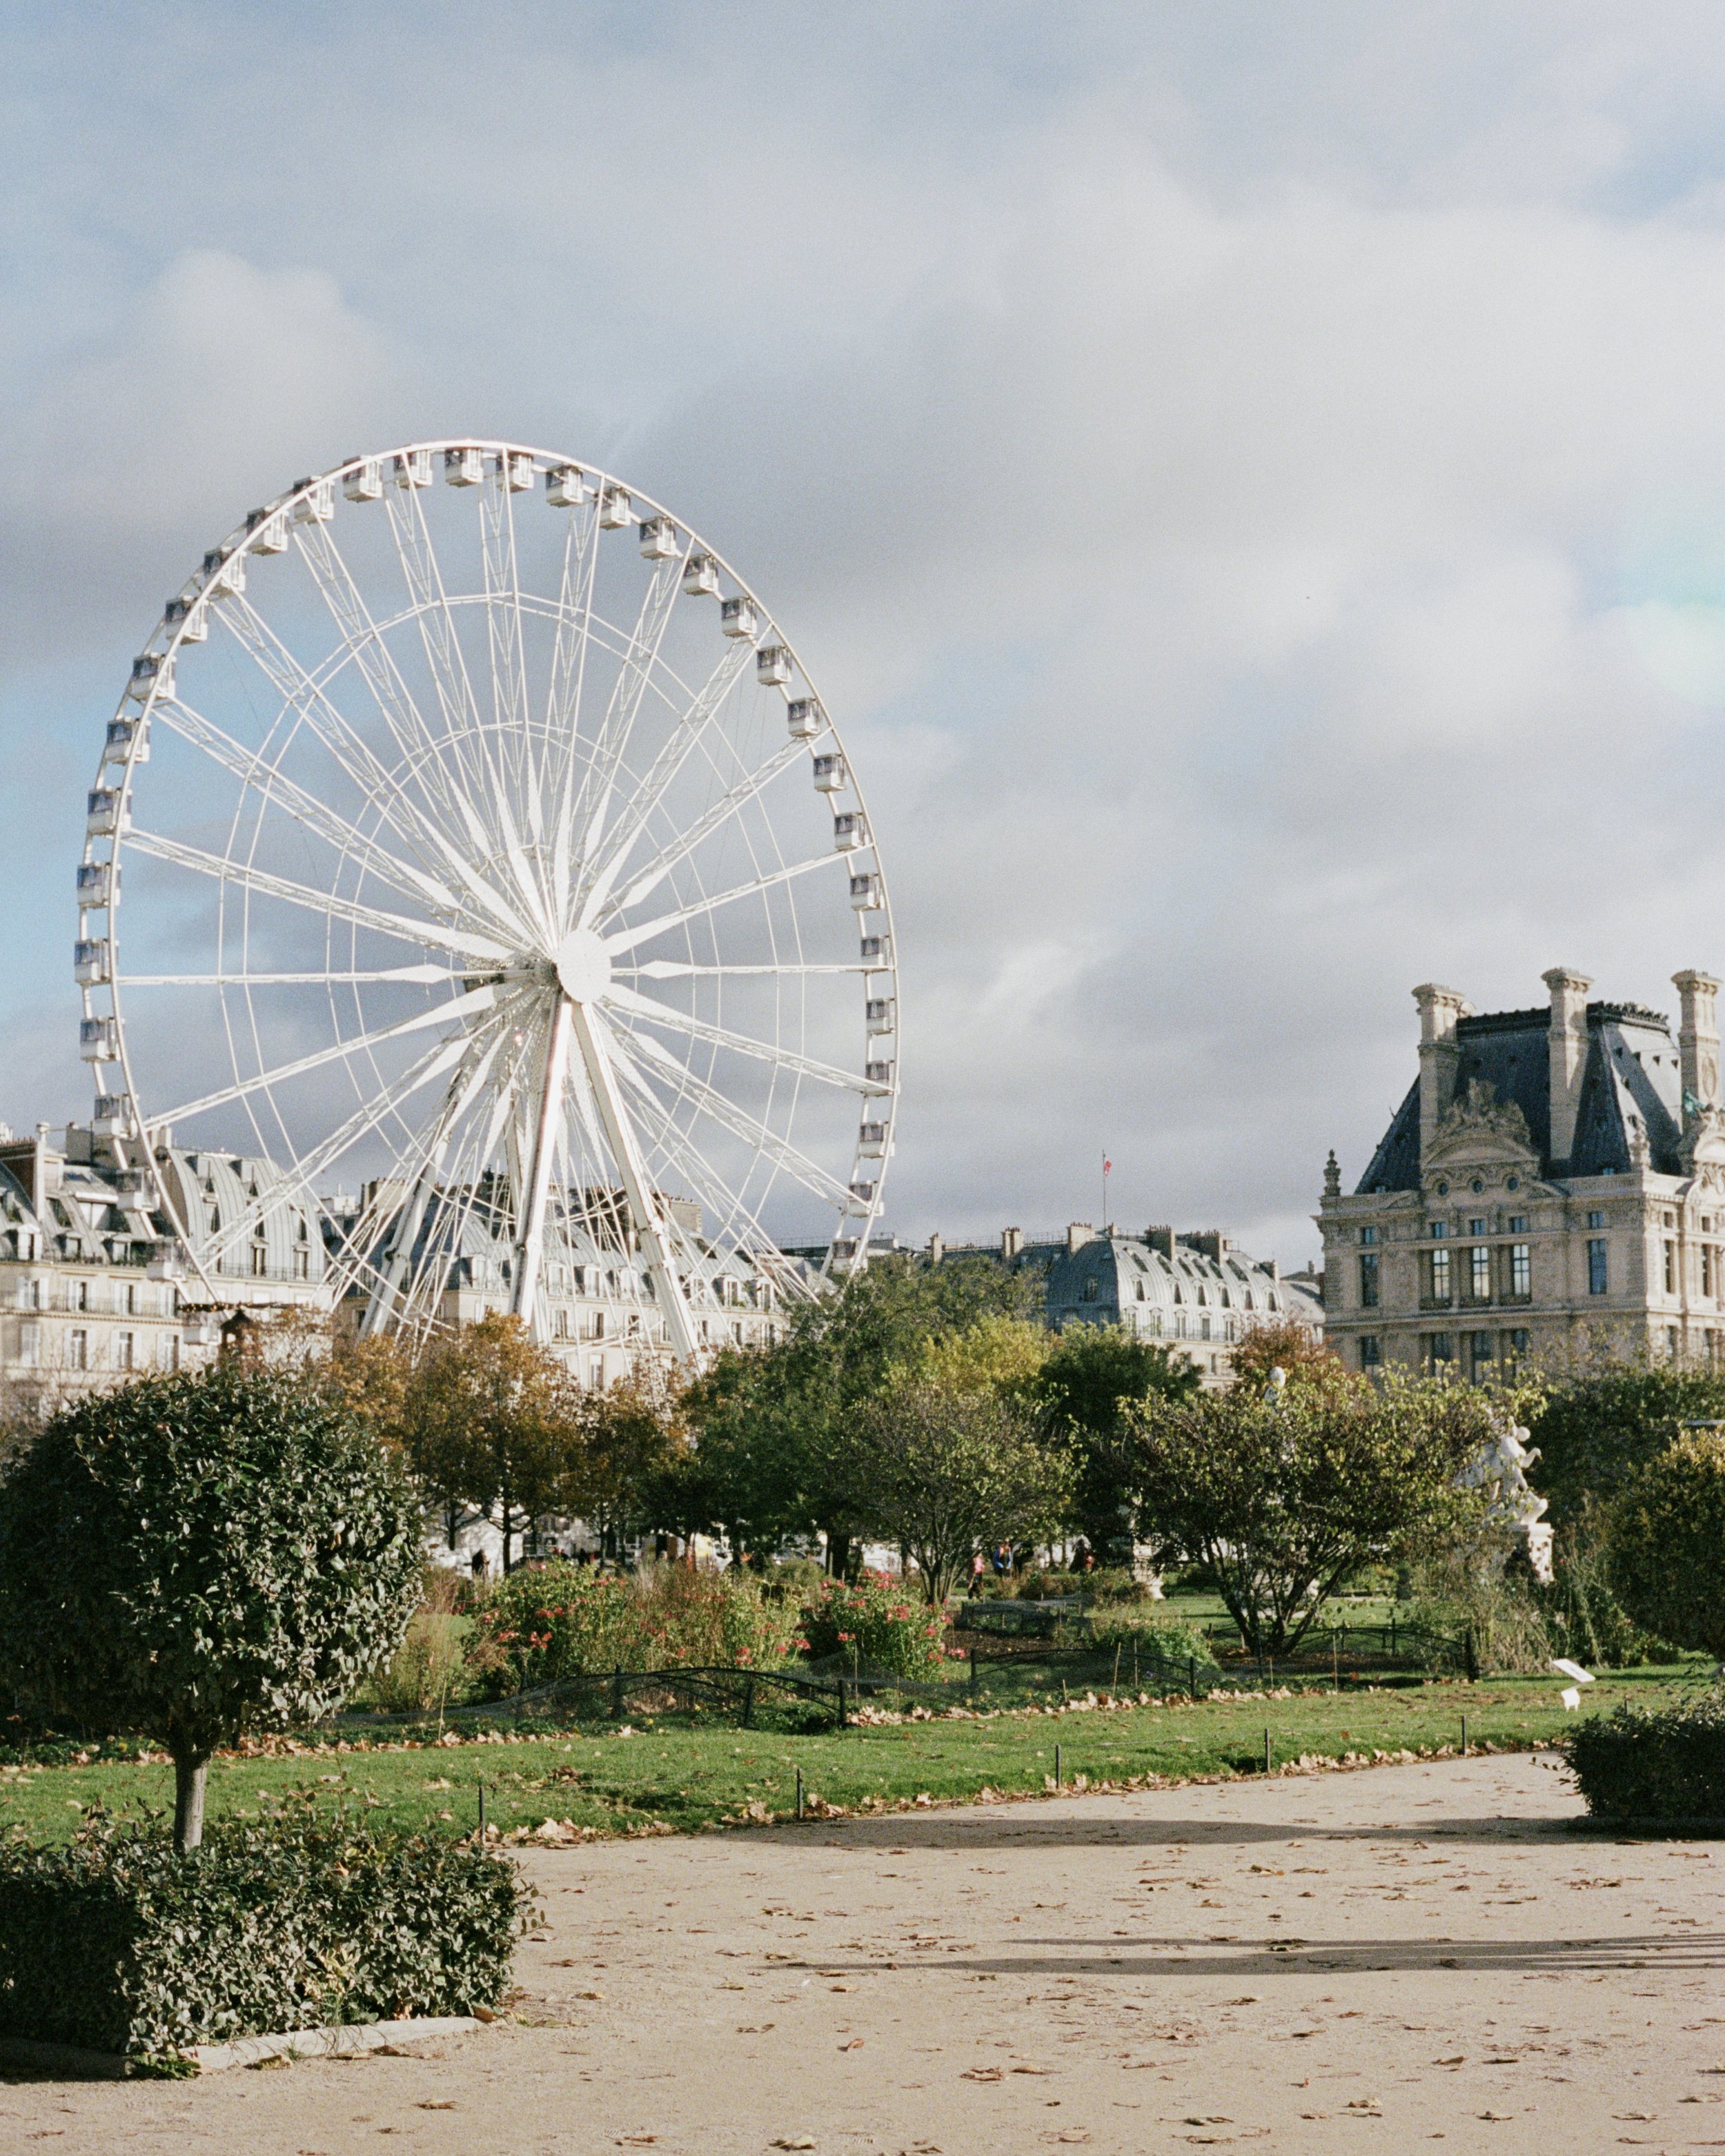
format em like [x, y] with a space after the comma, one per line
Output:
[1354, 1962]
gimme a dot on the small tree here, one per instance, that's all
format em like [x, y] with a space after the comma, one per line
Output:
[1085, 1389]
[1667, 1543]
[624, 1464]
[944, 1473]
[1283, 1497]
[195, 1557]
[491, 1418]
[1284, 1344]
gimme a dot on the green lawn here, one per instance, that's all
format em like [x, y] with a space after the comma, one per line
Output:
[692, 1771]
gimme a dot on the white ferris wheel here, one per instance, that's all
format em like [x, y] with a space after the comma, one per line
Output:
[470, 837]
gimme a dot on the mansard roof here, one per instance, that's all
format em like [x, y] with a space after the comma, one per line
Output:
[1630, 1082]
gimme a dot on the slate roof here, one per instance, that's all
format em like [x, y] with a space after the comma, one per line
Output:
[1631, 1073]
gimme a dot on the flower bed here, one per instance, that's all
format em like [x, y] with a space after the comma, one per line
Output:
[562, 1620]
[877, 1622]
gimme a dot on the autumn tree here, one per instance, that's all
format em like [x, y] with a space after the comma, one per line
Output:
[492, 1419]
[1088, 1384]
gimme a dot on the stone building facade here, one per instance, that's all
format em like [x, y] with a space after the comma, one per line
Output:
[1196, 1292]
[1553, 1185]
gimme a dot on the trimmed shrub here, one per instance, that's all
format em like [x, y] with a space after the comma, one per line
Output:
[877, 1622]
[1668, 1543]
[1668, 1764]
[114, 1942]
[563, 1620]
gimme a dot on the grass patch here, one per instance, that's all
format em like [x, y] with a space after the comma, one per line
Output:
[695, 1771]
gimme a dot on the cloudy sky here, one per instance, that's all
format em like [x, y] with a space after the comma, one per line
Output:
[1249, 479]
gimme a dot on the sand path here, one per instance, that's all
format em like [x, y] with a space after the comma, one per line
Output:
[1360, 1962]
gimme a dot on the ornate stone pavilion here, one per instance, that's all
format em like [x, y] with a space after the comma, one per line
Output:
[1553, 1183]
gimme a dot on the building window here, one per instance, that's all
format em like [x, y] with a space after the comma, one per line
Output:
[1440, 1349]
[1479, 1354]
[1671, 1268]
[261, 1259]
[302, 1265]
[1369, 1280]
[1596, 1275]
[123, 1346]
[1156, 1322]
[1179, 1325]
[1370, 1353]
[1437, 1269]
[1204, 1327]
[77, 1348]
[131, 1298]
[1670, 1341]
[1437, 1229]
[78, 1298]
[1518, 1223]
[1089, 1291]
[1476, 1227]
[1706, 1268]
[1520, 1268]
[1369, 1235]
[1479, 1272]
[1596, 1220]
[29, 1347]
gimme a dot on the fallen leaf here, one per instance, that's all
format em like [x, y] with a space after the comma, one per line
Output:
[437, 2103]
[804, 2141]
[483, 2014]
[982, 2074]
[854, 2045]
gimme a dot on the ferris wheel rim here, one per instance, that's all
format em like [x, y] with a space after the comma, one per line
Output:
[165, 645]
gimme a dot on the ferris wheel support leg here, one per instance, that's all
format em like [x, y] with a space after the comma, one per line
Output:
[620, 1138]
[530, 1250]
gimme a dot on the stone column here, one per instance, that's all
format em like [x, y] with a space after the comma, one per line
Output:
[1568, 1057]
[1438, 1055]
[1698, 1037]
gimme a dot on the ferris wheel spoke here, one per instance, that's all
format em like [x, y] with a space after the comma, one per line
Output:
[651, 1224]
[738, 1121]
[371, 655]
[629, 938]
[593, 802]
[414, 976]
[479, 781]
[568, 676]
[469, 1005]
[673, 969]
[505, 641]
[436, 935]
[302, 1177]
[654, 872]
[275, 789]
[646, 1010]
[380, 789]
[473, 1065]
[661, 773]
[708, 1185]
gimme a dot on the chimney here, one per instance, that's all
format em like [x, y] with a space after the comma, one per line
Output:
[936, 1248]
[1078, 1233]
[1012, 1241]
[1439, 1055]
[1698, 1038]
[1568, 1057]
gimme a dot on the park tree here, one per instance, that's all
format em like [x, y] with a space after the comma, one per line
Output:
[1666, 1543]
[774, 1427]
[1284, 1344]
[1283, 1494]
[944, 1471]
[1086, 1387]
[492, 1420]
[1599, 1424]
[195, 1556]
[629, 1444]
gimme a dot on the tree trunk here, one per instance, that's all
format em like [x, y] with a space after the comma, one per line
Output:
[190, 1775]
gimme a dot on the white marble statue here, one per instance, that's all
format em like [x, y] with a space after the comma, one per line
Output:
[1500, 1470]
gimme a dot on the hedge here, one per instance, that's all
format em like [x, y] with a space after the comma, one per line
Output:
[115, 1943]
[1665, 1764]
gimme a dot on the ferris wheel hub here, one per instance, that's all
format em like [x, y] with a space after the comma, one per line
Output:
[583, 966]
